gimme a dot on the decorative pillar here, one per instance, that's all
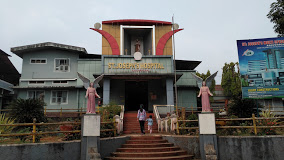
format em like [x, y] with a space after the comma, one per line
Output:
[106, 91]
[170, 91]
[90, 137]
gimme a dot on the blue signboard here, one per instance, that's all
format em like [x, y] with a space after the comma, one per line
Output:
[262, 67]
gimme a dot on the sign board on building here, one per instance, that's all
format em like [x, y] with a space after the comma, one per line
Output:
[262, 67]
[128, 65]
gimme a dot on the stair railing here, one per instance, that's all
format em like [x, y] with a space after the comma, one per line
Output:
[118, 119]
[157, 115]
[121, 118]
[162, 122]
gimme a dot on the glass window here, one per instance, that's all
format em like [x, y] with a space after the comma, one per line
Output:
[38, 61]
[60, 82]
[35, 94]
[59, 97]
[62, 65]
[36, 82]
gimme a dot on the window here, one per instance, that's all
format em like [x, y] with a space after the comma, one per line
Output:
[35, 94]
[59, 97]
[60, 82]
[38, 61]
[62, 65]
[36, 82]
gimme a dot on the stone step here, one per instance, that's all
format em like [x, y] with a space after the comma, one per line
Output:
[145, 141]
[149, 154]
[138, 128]
[182, 157]
[149, 148]
[137, 125]
[153, 145]
[146, 138]
[135, 118]
[136, 122]
[156, 149]
[138, 131]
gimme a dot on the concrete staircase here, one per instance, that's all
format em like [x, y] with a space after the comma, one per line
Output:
[131, 125]
[149, 148]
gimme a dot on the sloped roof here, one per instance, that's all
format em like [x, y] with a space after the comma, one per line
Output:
[136, 22]
[40, 46]
[8, 72]
[186, 64]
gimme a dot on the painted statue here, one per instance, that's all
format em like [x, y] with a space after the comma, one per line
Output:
[204, 91]
[137, 46]
[91, 92]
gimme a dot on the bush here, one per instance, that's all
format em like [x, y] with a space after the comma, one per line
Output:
[267, 122]
[6, 120]
[110, 110]
[107, 114]
[25, 110]
[243, 108]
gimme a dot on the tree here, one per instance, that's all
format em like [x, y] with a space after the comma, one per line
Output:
[276, 16]
[231, 85]
[204, 76]
[231, 82]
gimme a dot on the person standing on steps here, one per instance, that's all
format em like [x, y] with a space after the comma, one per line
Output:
[150, 124]
[141, 117]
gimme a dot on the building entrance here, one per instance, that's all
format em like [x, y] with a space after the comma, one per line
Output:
[136, 93]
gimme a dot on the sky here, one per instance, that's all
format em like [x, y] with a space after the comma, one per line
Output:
[211, 27]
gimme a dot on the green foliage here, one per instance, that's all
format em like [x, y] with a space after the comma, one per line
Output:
[6, 120]
[189, 124]
[243, 108]
[231, 80]
[204, 76]
[276, 16]
[267, 122]
[108, 112]
[111, 110]
[25, 110]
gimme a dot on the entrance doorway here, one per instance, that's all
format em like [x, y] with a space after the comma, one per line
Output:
[136, 93]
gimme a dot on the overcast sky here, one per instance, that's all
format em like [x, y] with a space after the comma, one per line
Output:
[211, 27]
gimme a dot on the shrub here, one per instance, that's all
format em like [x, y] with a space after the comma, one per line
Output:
[110, 111]
[6, 120]
[267, 122]
[243, 108]
[25, 110]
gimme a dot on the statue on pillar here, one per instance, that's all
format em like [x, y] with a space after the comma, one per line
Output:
[204, 90]
[137, 45]
[91, 92]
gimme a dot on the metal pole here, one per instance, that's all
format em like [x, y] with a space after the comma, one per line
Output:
[175, 64]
